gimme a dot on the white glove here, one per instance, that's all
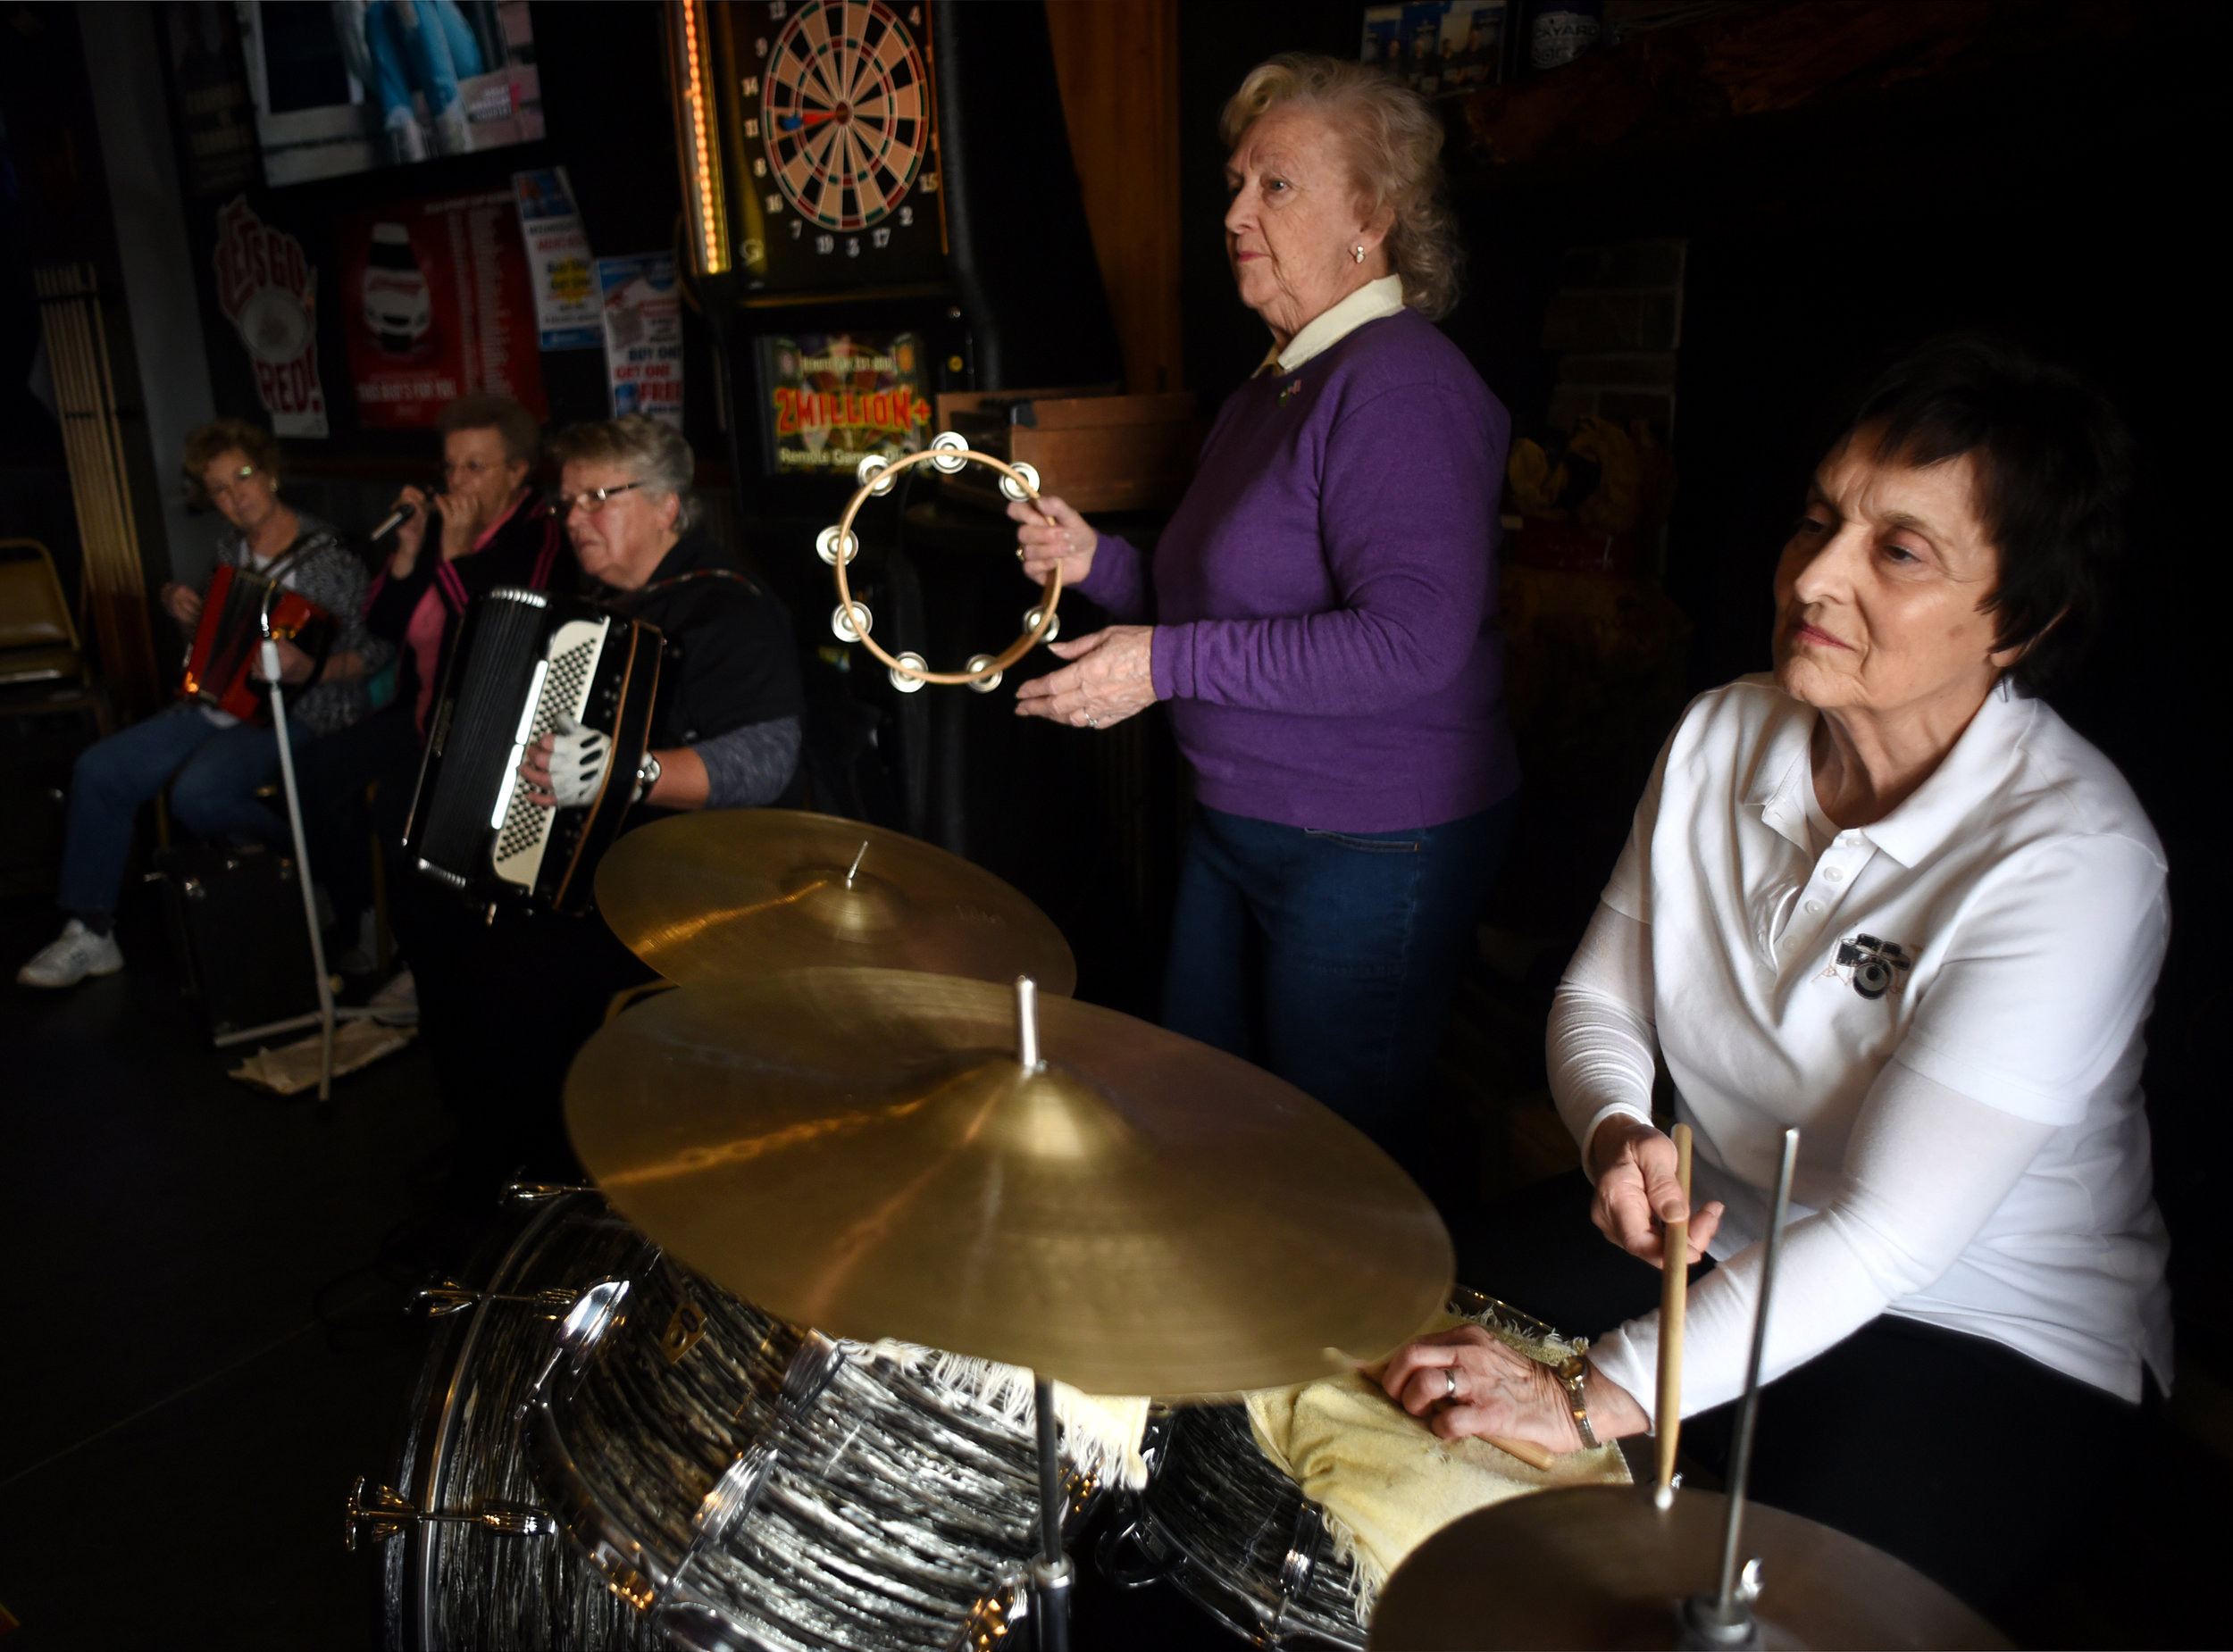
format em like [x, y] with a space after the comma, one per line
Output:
[579, 757]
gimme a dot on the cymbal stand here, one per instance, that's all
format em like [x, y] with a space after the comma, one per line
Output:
[1051, 1573]
[1723, 1619]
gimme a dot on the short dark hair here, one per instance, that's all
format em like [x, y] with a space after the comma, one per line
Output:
[522, 437]
[205, 443]
[2053, 461]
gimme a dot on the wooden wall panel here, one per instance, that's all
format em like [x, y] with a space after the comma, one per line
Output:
[1118, 63]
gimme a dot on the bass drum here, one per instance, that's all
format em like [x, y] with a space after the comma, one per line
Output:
[487, 1568]
[608, 1452]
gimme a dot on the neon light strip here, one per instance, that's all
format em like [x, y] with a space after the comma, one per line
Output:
[710, 239]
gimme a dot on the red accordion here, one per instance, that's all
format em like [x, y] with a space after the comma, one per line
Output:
[235, 610]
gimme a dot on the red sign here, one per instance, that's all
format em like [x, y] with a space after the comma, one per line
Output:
[438, 306]
[268, 292]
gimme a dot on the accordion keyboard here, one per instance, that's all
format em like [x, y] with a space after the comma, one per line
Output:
[571, 662]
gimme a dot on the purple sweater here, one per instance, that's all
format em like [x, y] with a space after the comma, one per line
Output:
[1324, 599]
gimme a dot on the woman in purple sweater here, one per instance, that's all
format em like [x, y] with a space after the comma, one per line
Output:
[1321, 615]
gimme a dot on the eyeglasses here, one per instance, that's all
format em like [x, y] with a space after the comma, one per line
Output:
[233, 483]
[593, 501]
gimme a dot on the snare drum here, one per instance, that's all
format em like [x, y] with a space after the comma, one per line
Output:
[616, 1454]
[1228, 1529]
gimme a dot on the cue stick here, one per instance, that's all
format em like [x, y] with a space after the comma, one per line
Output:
[1674, 1281]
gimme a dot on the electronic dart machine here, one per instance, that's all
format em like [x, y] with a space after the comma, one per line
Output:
[880, 205]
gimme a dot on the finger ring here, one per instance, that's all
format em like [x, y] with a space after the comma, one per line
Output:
[1092, 722]
[1450, 1376]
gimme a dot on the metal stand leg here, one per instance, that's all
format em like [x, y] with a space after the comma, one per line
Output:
[1050, 1573]
[271, 663]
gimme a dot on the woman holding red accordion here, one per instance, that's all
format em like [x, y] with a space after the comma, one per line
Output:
[212, 762]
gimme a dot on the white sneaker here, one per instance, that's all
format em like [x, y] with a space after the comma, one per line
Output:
[75, 954]
[396, 1004]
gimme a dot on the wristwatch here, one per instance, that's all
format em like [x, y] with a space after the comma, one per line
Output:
[647, 776]
[1571, 1374]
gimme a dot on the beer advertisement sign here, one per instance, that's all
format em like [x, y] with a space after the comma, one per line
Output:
[269, 291]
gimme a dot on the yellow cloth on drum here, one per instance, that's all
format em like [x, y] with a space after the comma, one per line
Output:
[1387, 1481]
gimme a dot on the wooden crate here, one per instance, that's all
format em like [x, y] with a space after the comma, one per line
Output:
[1101, 452]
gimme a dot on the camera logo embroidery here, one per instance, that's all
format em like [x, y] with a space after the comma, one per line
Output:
[1874, 967]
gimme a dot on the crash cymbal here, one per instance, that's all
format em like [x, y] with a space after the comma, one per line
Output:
[726, 892]
[866, 1151]
[1600, 1566]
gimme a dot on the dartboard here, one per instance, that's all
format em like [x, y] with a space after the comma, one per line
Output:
[845, 112]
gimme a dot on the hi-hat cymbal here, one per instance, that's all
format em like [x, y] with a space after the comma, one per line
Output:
[726, 892]
[864, 1151]
[1600, 1566]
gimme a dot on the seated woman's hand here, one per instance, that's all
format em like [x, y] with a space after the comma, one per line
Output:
[1052, 535]
[1111, 677]
[1633, 1167]
[183, 604]
[1463, 1382]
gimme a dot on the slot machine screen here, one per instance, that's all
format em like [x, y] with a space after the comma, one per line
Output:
[829, 399]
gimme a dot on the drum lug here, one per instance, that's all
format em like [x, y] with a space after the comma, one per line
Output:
[376, 1514]
[1140, 1533]
[1303, 1552]
[446, 1297]
[540, 1192]
[732, 1497]
[811, 1369]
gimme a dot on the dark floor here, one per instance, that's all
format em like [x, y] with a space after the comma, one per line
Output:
[203, 1345]
[207, 1339]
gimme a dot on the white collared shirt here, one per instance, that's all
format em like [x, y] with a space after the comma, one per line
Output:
[1999, 933]
[1330, 326]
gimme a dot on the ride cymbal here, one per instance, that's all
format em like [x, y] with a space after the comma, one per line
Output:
[726, 892]
[1601, 1567]
[864, 1151]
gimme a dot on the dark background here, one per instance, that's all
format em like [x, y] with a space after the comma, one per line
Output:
[2067, 194]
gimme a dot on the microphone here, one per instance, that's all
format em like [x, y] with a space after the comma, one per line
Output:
[403, 514]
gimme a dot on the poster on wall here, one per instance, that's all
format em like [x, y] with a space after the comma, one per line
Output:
[438, 304]
[643, 335]
[1443, 48]
[358, 84]
[833, 398]
[268, 292]
[558, 260]
[216, 122]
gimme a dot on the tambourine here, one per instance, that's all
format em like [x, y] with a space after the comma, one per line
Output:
[851, 620]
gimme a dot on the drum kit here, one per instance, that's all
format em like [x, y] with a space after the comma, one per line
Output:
[883, 1225]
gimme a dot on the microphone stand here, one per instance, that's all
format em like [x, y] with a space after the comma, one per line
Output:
[271, 663]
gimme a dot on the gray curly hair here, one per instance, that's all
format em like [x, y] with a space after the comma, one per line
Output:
[650, 450]
[1394, 140]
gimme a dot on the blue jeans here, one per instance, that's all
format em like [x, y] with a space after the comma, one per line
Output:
[213, 773]
[427, 47]
[1330, 957]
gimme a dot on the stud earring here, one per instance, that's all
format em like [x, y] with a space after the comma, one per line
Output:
[1357, 253]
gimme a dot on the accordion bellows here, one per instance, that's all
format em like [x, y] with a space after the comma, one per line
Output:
[522, 660]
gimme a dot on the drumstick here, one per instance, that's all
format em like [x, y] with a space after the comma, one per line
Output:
[1526, 1450]
[1674, 1281]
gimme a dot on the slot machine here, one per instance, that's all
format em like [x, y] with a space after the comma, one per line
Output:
[878, 206]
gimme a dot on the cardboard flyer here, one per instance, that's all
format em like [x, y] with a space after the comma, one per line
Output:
[643, 335]
[558, 260]
[438, 306]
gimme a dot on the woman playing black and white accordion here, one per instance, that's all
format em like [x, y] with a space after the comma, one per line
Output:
[1888, 897]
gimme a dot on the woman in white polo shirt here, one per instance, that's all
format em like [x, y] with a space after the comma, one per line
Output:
[1888, 897]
